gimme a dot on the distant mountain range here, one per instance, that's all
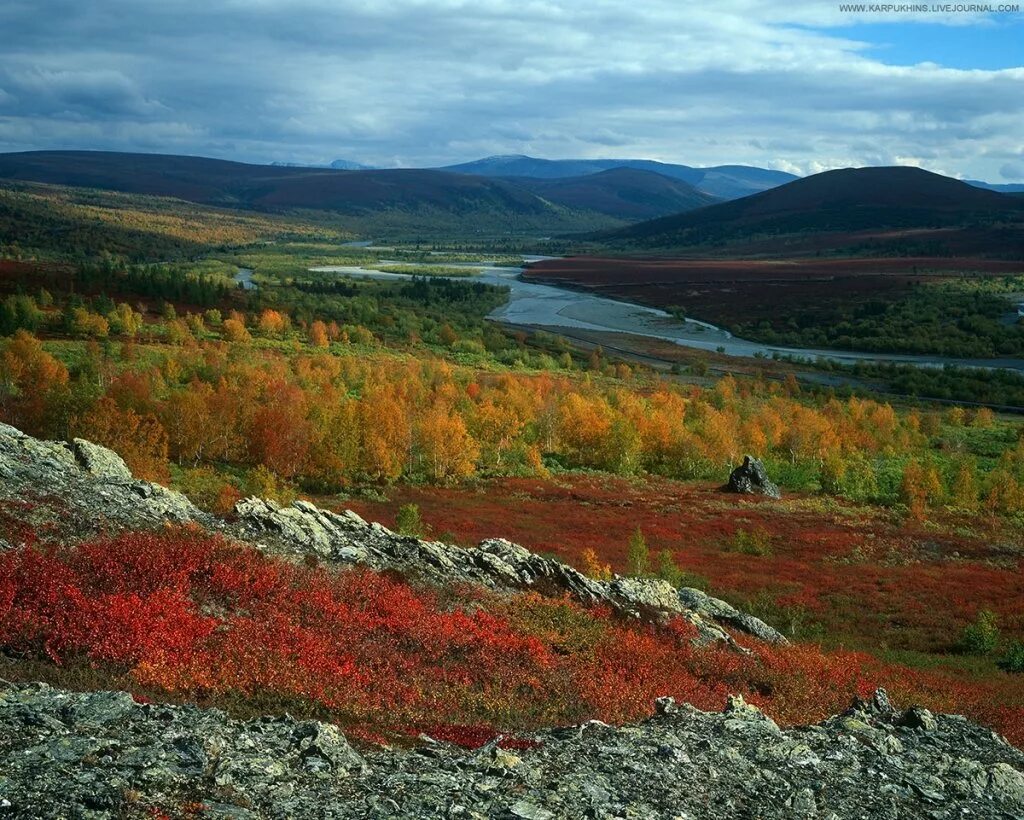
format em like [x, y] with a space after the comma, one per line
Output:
[859, 210]
[1003, 188]
[337, 165]
[627, 193]
[862, 210]
[721, 181]
[604, 199]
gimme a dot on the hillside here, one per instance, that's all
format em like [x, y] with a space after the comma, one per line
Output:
[423, 198]
[722, 181]
[217, 609]
[876, 210]
[265, 187]
[388, 202]
[624, 193]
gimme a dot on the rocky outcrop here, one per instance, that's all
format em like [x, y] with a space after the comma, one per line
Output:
[101, 755]
[84, 488]
[495, 563]
[751, 478]
[81, 488]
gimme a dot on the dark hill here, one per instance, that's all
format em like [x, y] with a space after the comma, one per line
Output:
[235, 184]
[604, 199]
[721, 181]
[625, 193]
[886, 208]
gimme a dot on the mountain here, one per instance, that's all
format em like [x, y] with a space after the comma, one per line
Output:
[624, 193]
[349, 165]
[1003, 188]
[385, 202]
[236, 184]
[722, 181]
[337, 165]
[891, 209]
[605, 199]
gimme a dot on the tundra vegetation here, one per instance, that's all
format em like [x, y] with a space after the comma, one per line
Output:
[893, 558]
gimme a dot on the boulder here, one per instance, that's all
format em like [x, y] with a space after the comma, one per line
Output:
[751, 478]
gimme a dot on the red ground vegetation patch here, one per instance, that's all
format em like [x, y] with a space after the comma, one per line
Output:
[871, 581]
[189, 614]
[742, 290]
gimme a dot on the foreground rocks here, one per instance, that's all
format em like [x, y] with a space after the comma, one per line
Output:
[77, 489]
[101, 755]
[751, 478]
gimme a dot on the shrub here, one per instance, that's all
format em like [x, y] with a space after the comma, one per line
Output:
[757, 541]
[668, 570]
[594, 567]
[1013, 660]
[185, 613]
[261, 482]
[982, 636]
[408, 521]
[638, 556]
[206, 489]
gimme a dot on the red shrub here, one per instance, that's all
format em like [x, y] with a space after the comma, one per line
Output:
[192, 614]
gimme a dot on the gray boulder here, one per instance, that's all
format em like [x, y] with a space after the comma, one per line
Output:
[751, 478]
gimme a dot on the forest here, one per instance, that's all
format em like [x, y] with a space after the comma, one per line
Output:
[970, 317]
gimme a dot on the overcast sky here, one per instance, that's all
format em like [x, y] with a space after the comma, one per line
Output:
[796, 85]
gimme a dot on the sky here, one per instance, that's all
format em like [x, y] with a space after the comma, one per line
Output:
[799, 86]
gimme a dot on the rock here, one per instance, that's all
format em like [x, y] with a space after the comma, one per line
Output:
[681, 763]
[100, 462]
[917, 717]
[1006, 783]
[82, 488]
[751, 478]
[530, 811]
[700, 602]
[322, 747]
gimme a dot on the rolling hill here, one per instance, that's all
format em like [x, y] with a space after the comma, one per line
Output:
[420, 198]
[266, 187]
[625, 193]
[888, 210]
[722, 181]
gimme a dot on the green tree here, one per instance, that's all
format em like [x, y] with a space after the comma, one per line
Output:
[982, 636]
[668, 569]
[408, 521]
[1013, 660]
[638, 556]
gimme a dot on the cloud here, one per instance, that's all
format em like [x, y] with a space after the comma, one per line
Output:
[407, 82]
[1012, 170]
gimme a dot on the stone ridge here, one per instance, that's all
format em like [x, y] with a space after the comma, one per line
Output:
[82, 488]
[102, 755]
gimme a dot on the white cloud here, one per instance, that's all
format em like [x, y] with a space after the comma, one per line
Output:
[407, 82]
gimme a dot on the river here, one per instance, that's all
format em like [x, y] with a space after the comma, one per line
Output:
[532, 304]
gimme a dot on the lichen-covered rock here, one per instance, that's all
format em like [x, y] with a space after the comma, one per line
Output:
[102, 755]
[751, 478]
[725, 613]
[86, 488]
[100, 462]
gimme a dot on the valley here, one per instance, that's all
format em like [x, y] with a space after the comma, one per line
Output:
[294, 455]
[542, 298]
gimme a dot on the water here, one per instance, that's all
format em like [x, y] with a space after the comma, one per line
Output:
[244, 278]
[552, 308]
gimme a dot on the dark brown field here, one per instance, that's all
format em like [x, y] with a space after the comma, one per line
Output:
[743, 290]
